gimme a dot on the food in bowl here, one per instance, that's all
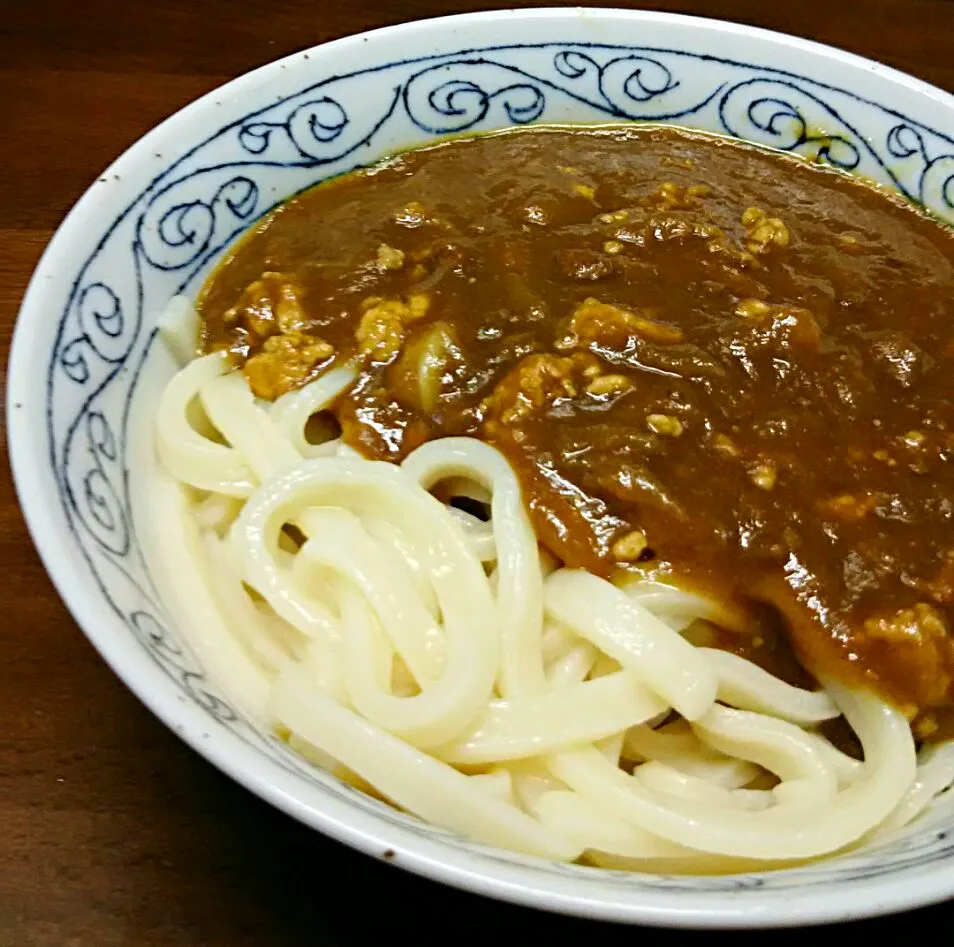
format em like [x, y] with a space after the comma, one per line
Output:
[585, 491]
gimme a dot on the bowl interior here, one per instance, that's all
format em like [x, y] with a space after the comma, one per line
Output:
[85, 371]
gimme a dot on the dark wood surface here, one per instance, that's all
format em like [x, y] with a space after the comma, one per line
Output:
[112, 832]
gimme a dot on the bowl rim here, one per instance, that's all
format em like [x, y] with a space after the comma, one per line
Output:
[336, 818]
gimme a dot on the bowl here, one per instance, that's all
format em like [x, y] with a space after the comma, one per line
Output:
[154, 224]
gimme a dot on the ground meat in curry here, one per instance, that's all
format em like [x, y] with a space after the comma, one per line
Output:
[704, 360]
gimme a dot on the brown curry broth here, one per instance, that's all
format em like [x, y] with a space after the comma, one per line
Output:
[815, 464]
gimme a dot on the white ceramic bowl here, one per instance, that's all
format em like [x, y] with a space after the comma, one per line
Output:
[156, 221]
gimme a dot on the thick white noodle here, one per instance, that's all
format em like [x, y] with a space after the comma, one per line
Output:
[217, 512]
[783, 831]
[556, 641]
[186, 453]
[777, 746]
[430, 789]
[574, 665]
[934, 775]
[480, 534]
[498, 782]
[602, 614]
[250, 430]
[179, 328]
[342, 546]
[677, 746]
[575, 714]
[679, 785]
[577, 818]
[271, 649]
[450, 666]
[405, 566]
[681, 608]
[846, 768]
[290, 413]
[183, 576]
[519, 583]
[471, 647]
[745, 685]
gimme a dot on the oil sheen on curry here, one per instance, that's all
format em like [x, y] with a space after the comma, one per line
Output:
[706, 361]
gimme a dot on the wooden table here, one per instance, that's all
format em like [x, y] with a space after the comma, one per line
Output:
[112, 831]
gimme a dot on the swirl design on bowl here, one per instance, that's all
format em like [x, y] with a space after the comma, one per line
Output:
[166, 239]
[774, 113]
[184, 223]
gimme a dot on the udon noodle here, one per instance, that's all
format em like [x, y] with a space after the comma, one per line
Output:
[445, 664]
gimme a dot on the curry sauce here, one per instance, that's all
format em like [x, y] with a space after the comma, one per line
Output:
[706, 361]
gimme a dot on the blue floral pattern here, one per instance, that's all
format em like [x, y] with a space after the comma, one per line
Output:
[170, 234]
